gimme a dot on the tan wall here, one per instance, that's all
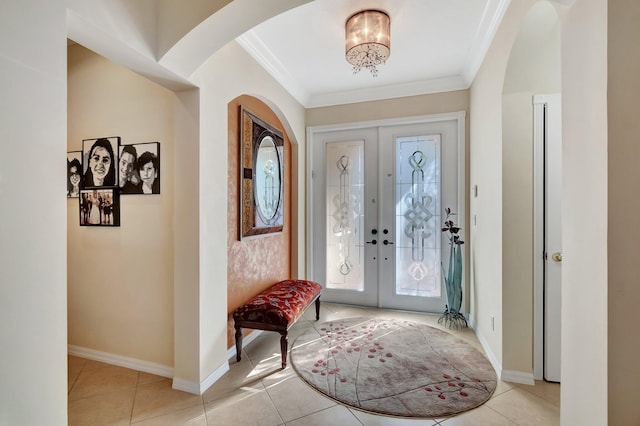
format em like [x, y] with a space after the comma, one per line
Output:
[533, 68]
[257, 263]
[120, 280]
[624, 204]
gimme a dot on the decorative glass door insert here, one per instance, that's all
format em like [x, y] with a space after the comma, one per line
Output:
[418, 236]
[344, 218]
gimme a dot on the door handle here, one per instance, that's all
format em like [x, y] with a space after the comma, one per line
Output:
[557, 257]
[386, 242]
[374, 242]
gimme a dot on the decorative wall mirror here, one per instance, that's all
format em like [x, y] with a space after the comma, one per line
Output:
[261, 177]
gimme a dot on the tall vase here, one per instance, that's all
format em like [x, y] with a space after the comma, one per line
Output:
[453, 287]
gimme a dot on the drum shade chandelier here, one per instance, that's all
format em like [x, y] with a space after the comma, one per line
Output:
[368, 40]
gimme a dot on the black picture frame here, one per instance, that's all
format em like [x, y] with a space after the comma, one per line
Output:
[144, 177]
[100, 162]
[99, 207]
[74, 173]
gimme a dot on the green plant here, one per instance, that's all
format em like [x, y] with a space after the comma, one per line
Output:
[452, 316]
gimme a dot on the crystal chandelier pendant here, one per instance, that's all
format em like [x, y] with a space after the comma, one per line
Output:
[368, 40]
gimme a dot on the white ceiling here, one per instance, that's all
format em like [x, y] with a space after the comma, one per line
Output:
[436, 46]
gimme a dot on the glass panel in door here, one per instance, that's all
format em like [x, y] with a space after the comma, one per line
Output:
[345, 215]
[417, 219]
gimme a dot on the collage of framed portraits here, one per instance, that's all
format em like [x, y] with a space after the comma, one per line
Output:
[106, 169]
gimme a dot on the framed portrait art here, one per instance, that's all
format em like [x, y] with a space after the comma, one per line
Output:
[139, 168]
[261, 177]
[99, 207]
[74, 173]
[100, 162]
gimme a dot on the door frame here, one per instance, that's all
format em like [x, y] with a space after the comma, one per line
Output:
[539, 104]
[459, 117]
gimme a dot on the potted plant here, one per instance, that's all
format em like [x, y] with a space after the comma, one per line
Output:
[452, 317]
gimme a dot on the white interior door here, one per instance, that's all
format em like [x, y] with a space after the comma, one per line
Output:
[376, 212]
[552, 237]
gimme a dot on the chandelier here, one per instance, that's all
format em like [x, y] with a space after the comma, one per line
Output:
[368, 39]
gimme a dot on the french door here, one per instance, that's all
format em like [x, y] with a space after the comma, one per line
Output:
[377, 196]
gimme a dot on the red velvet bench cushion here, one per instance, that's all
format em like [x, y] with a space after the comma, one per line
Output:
[277, 309]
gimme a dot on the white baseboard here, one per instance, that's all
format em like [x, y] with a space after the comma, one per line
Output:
[199, 388]
[518, 377]
[506, 375]
[121, 361]
[497, 366]
[231, 352]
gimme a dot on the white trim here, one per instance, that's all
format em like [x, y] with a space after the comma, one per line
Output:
[231, 352]
[497, 366]
[199, 388]
[121, 361]
[539, 102]
[505, 375]
[517, 377]
[484, 36]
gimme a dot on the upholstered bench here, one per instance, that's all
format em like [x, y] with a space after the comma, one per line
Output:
[276, 309]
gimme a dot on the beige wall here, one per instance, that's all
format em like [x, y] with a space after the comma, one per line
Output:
[120, 280]
[253, 264]
[624, 204]
[230, 73]
[33, 212]
[533, 68]
[583, 34]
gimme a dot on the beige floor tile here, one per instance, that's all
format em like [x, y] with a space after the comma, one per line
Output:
[368, 419]
[502, 387]
[336, 415]
[103, 380]
[480, 416]
[146, 378]
[525, 408]
[253, 408]
[241, 377]
[158, 398]
[192, 416]
[294, 399]
[74, 367]
[548, 391]
[112, 408]
[91, 365]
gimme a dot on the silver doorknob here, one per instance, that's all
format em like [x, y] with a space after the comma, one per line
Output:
[557, 257]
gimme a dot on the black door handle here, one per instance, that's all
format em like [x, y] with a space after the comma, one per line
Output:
[374, 242]
[386, 242]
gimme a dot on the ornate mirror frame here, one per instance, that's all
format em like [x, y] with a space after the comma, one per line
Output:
[261, 191]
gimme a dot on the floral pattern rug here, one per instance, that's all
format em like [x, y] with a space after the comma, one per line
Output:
[393, 367]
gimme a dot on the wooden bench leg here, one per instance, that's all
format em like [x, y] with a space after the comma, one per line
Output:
[284, 345]
[238, 342]
[317, 308]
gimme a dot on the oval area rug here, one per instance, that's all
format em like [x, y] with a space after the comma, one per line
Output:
[393, 367]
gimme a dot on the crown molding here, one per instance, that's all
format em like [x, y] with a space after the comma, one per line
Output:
[484, 36]
[259, 51]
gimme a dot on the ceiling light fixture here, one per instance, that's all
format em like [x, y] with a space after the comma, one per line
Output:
[368, 40]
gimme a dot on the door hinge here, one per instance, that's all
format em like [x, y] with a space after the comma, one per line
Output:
[544, 256]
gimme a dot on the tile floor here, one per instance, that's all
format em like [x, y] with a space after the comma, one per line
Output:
[257, 392]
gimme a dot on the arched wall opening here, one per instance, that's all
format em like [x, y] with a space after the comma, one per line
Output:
[533, 68]
[257, 263]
